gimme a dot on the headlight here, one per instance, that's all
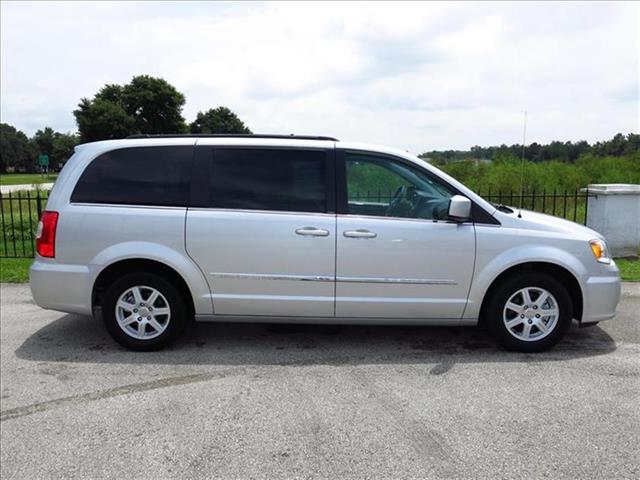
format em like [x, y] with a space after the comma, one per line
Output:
[599, 249]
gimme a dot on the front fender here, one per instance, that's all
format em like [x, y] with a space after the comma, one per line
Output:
[179, 261]
[489, 267]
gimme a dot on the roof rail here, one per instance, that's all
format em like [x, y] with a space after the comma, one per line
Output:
[232, 135]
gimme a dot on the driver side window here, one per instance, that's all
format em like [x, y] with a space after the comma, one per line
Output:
[378, 186]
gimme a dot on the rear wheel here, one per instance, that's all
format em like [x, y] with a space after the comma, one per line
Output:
[143, 311]
[530, 312]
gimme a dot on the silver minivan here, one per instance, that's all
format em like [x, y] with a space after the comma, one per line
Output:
[152, 231]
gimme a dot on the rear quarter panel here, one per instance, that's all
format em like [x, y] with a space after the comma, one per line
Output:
[95, 236]
[100, 235]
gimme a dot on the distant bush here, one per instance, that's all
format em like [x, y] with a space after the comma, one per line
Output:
[617, 146]
[505, 174]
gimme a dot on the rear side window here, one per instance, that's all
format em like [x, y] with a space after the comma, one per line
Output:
[268, 179]
[137, 176]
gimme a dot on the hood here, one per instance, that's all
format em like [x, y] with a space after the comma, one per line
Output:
[545, 223]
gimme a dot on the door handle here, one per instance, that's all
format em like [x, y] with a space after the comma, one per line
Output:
[360, 233]
[312, 232]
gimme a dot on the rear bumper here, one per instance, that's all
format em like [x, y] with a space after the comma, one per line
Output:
[601, 296]
[66, 288]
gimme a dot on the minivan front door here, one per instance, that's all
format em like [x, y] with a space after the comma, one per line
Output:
[397, 255]
[261, 226]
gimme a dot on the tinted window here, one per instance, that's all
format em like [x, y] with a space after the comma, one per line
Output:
[269, 179]
[137, 176]
[379, 186]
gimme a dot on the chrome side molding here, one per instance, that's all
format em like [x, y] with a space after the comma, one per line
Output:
[326, 278]
[410, 281]
[272, 276]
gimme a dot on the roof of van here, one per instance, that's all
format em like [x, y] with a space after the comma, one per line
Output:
[302, 141]
[234, 135]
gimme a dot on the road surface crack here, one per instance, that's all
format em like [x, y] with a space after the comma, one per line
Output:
[109, 393]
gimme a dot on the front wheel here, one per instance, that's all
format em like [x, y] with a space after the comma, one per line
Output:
[143, 311]
[530, 312]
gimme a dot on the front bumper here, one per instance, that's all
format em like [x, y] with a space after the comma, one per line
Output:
[601, 296]
[66, 288]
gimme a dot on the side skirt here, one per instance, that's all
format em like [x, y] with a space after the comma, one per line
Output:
[446, 322]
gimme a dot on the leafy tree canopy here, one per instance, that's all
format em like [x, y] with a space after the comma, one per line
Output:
[99, 119]
[58, 146]
[63, 145]
[218, 120]
[43, 140]
[16, 152]
[145, 105]
[563, 151]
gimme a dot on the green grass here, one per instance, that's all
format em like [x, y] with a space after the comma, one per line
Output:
[15, 270]
[629, 269]
[26, 178]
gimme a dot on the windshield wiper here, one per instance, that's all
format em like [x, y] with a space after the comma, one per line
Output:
[503, 208]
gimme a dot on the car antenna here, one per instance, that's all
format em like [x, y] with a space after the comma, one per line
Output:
[524, 137]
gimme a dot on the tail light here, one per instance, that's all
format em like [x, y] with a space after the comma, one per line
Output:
[46, 234]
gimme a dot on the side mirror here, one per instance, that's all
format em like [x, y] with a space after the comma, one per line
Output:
[459, 208]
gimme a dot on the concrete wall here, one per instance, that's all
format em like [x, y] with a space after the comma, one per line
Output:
[614, 211]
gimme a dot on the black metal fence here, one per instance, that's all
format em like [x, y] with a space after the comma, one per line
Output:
[19, 215]
[20, 212]
[571, 205]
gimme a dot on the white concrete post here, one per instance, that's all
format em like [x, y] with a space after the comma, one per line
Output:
[614, 211]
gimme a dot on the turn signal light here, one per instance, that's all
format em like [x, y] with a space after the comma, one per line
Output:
[599, 250]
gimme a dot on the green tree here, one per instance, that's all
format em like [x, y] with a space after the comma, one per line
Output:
[154, 104]
[633, 143]
[99, 119]
[63, 145]
[111, 92]
[218, 120]
[16, 152]
[618, 146]
[43, 141]
[58, 146]
[145, 105]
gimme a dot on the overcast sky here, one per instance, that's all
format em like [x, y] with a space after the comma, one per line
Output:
[416, 76]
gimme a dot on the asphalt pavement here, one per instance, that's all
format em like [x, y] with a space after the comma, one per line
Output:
[268, 401]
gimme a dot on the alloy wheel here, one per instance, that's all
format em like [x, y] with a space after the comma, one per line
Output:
[142, 312]
[531, 314]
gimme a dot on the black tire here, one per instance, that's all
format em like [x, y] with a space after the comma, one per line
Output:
[500, 296]
[176, 321]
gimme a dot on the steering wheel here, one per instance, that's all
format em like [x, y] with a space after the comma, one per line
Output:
[396, 205]
[401, 192]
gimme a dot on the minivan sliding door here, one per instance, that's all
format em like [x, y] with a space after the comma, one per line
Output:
[261, 226]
